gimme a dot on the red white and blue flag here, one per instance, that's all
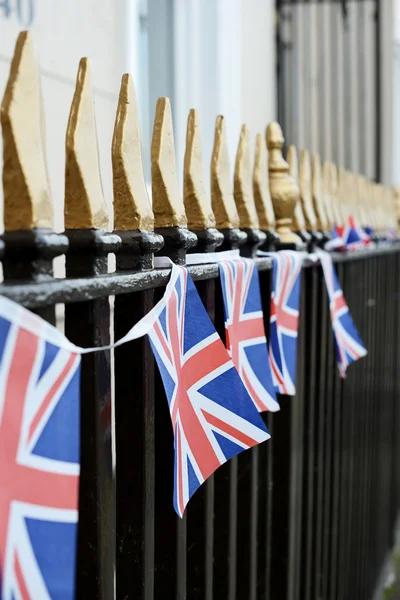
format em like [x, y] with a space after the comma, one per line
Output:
[285, 301]
[39, 457]
[244, 330]
[354, 237]
[348, 344]
[213, 416]
[336, 242]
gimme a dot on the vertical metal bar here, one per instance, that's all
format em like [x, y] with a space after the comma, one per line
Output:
[310, 415]
[326, 388]
[87, 324]
[134, 443]
[168, 529]
[200, 511]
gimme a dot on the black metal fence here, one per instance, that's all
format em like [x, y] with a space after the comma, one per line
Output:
[308, 514]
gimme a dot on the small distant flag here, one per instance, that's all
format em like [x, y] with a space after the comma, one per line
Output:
[336, 242]
[213, 416]
[348, 344]
[354, 237]
[245, 334]
[39, 457]
[285, 301]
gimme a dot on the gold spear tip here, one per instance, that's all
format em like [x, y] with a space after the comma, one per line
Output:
[196, 200]
[85, 207]
[27, 201]
[291, 158]
[167, 202]
[132, 209]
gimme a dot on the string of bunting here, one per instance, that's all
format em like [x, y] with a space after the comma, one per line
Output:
[214, 393]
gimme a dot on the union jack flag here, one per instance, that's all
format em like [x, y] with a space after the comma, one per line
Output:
[213, 417]
[336, 242]
[348, 344]
[354, 237]
[39, 457]
[285, 300]
[244, 330]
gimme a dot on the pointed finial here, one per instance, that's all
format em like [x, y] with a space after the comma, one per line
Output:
[333, 193]
[167, 202]
[27, 199]
[262, 196]
[132, 208]
[298, 222]
[396, 200]
[284, 188]
[243, 189]
[326, 193]
[319, 207]
[197, 202]
[84, 207]
[306, 191]
[223, 203]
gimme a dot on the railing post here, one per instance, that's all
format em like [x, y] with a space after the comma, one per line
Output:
[262, 196]
[30, 242]
[223, 203]
[133, 362]
[284, 190]
[243, 194]
[306, 198]
[88, 324]
[170, 217]
[319, 206]
[299, 222]
[199, 213]
[200, 511]
[171, 223]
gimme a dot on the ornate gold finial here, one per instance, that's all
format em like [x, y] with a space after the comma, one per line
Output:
[317, 194]
[262, 196]
[85, 207]
[243, 188]
[284, 188]
[197, 202]
[167, 202]
[223, 203]
[333, 193]
[27, 198]
[306, 191]
[326, 193]
[298, 222]
[132, 208]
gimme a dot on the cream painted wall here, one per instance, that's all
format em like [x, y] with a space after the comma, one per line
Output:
[258, 74]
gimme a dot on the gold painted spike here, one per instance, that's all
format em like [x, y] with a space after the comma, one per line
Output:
[168, 205]
[262, 196]
[362, 200]
[132, 208]
[196, 200]
[396, 200]
[84, 207]
[319, 207]
[27, 198]
[223, 203]
[306, 191]
[243, 188]
[284, 188]
[326, 193]
[298, 222]
[333, 192]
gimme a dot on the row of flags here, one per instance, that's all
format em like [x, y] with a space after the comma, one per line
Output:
[215, 391]
[351, 236]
